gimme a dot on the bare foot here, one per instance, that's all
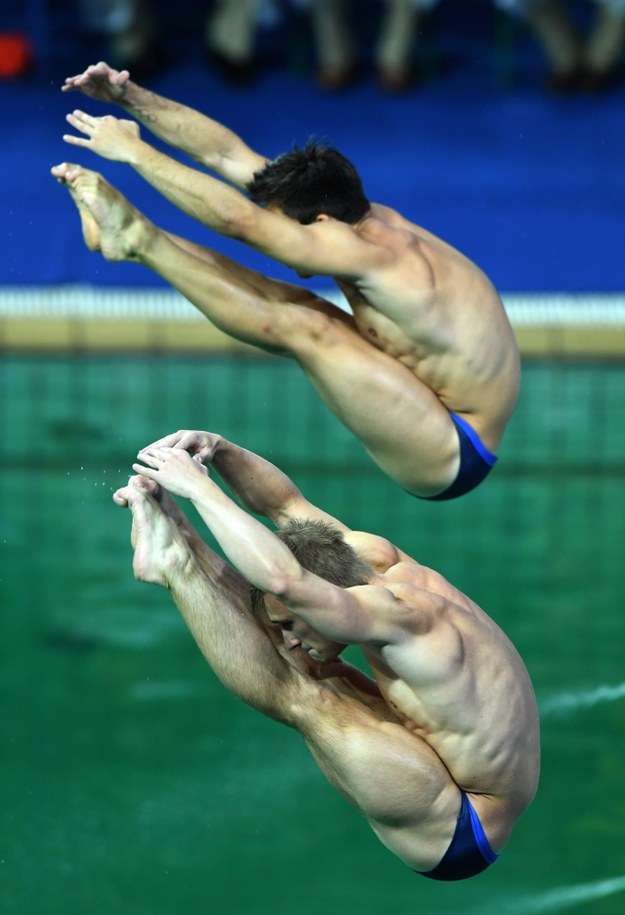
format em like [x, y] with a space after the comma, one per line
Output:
[160, 495]
[110, 223]
[66, 174]
[160, 551]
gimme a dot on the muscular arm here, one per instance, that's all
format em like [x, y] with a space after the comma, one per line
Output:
[327, 247]
[204, 139]
[350, 616]
[261, 486]
[213, 202]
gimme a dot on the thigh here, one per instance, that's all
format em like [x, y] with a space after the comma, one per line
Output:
[273, 290]
[391, 775]
[399, 419]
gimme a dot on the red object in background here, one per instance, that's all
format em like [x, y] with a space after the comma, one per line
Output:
[16, 55]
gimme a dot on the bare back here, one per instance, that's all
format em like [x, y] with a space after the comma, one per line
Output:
[460, 684]
[435, 311]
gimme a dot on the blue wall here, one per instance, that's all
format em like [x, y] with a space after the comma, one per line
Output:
[529, 185]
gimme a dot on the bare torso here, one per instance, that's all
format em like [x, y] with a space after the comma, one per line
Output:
[461, 686]
[435, 311]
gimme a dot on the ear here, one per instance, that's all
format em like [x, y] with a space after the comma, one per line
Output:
[322, 217]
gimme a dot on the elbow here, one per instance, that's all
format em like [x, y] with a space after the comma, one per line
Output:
[279, 584]
[283, 583]
[239, 228]
[230, 226]
[240, 222]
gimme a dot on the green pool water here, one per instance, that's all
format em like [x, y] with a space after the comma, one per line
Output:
[133, 783]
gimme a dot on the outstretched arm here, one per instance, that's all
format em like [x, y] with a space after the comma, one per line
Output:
[261, 486]
[327, 246]
[349, 616]
[218, 205]
[205, 140]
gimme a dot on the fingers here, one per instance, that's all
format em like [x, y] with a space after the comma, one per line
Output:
[120, 497]
[154, 451]
[98, 81]
[75, 141]
[149, 472]
[91, 127]
[84, 124]
[119, 78]
[65, 172]
[192, 441]
[82, 121]
[157, 455]
[153, 456]
[75, 82]
[183, 439]
[168, 441]
[59, 171]
[162, 464]
[97, 70]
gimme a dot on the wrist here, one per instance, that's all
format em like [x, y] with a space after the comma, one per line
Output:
[131, 97]
[222, 453]
[137, 152]
[220, 445]
[202, 489]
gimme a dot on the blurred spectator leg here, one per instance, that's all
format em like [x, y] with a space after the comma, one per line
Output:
[398, 34]
[230, 39]
[334, 43]
[603, 57]
[553, 29]
[504, 37]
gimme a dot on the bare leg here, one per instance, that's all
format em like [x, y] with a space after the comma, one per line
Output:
[334, 43]
[550, 23]
[211, 596]
[397, 38]
[604, 51]
[399, 420]
[392, 776]
[230, 30]
[168, 506]
[110, 226]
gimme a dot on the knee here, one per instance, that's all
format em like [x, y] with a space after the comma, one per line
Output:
[313, 332]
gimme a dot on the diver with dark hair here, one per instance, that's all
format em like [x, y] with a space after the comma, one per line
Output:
[425, 369]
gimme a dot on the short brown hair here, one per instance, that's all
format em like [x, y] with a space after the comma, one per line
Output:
[306, 182]
[321, 549]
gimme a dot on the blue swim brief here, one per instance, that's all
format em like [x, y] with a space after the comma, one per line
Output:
[469, 853]
[476, 462]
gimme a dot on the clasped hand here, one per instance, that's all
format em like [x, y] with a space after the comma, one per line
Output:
[201, 445]
[172, 468]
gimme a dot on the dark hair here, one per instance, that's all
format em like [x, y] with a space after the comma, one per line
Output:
[320, 548]
[306, 182]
